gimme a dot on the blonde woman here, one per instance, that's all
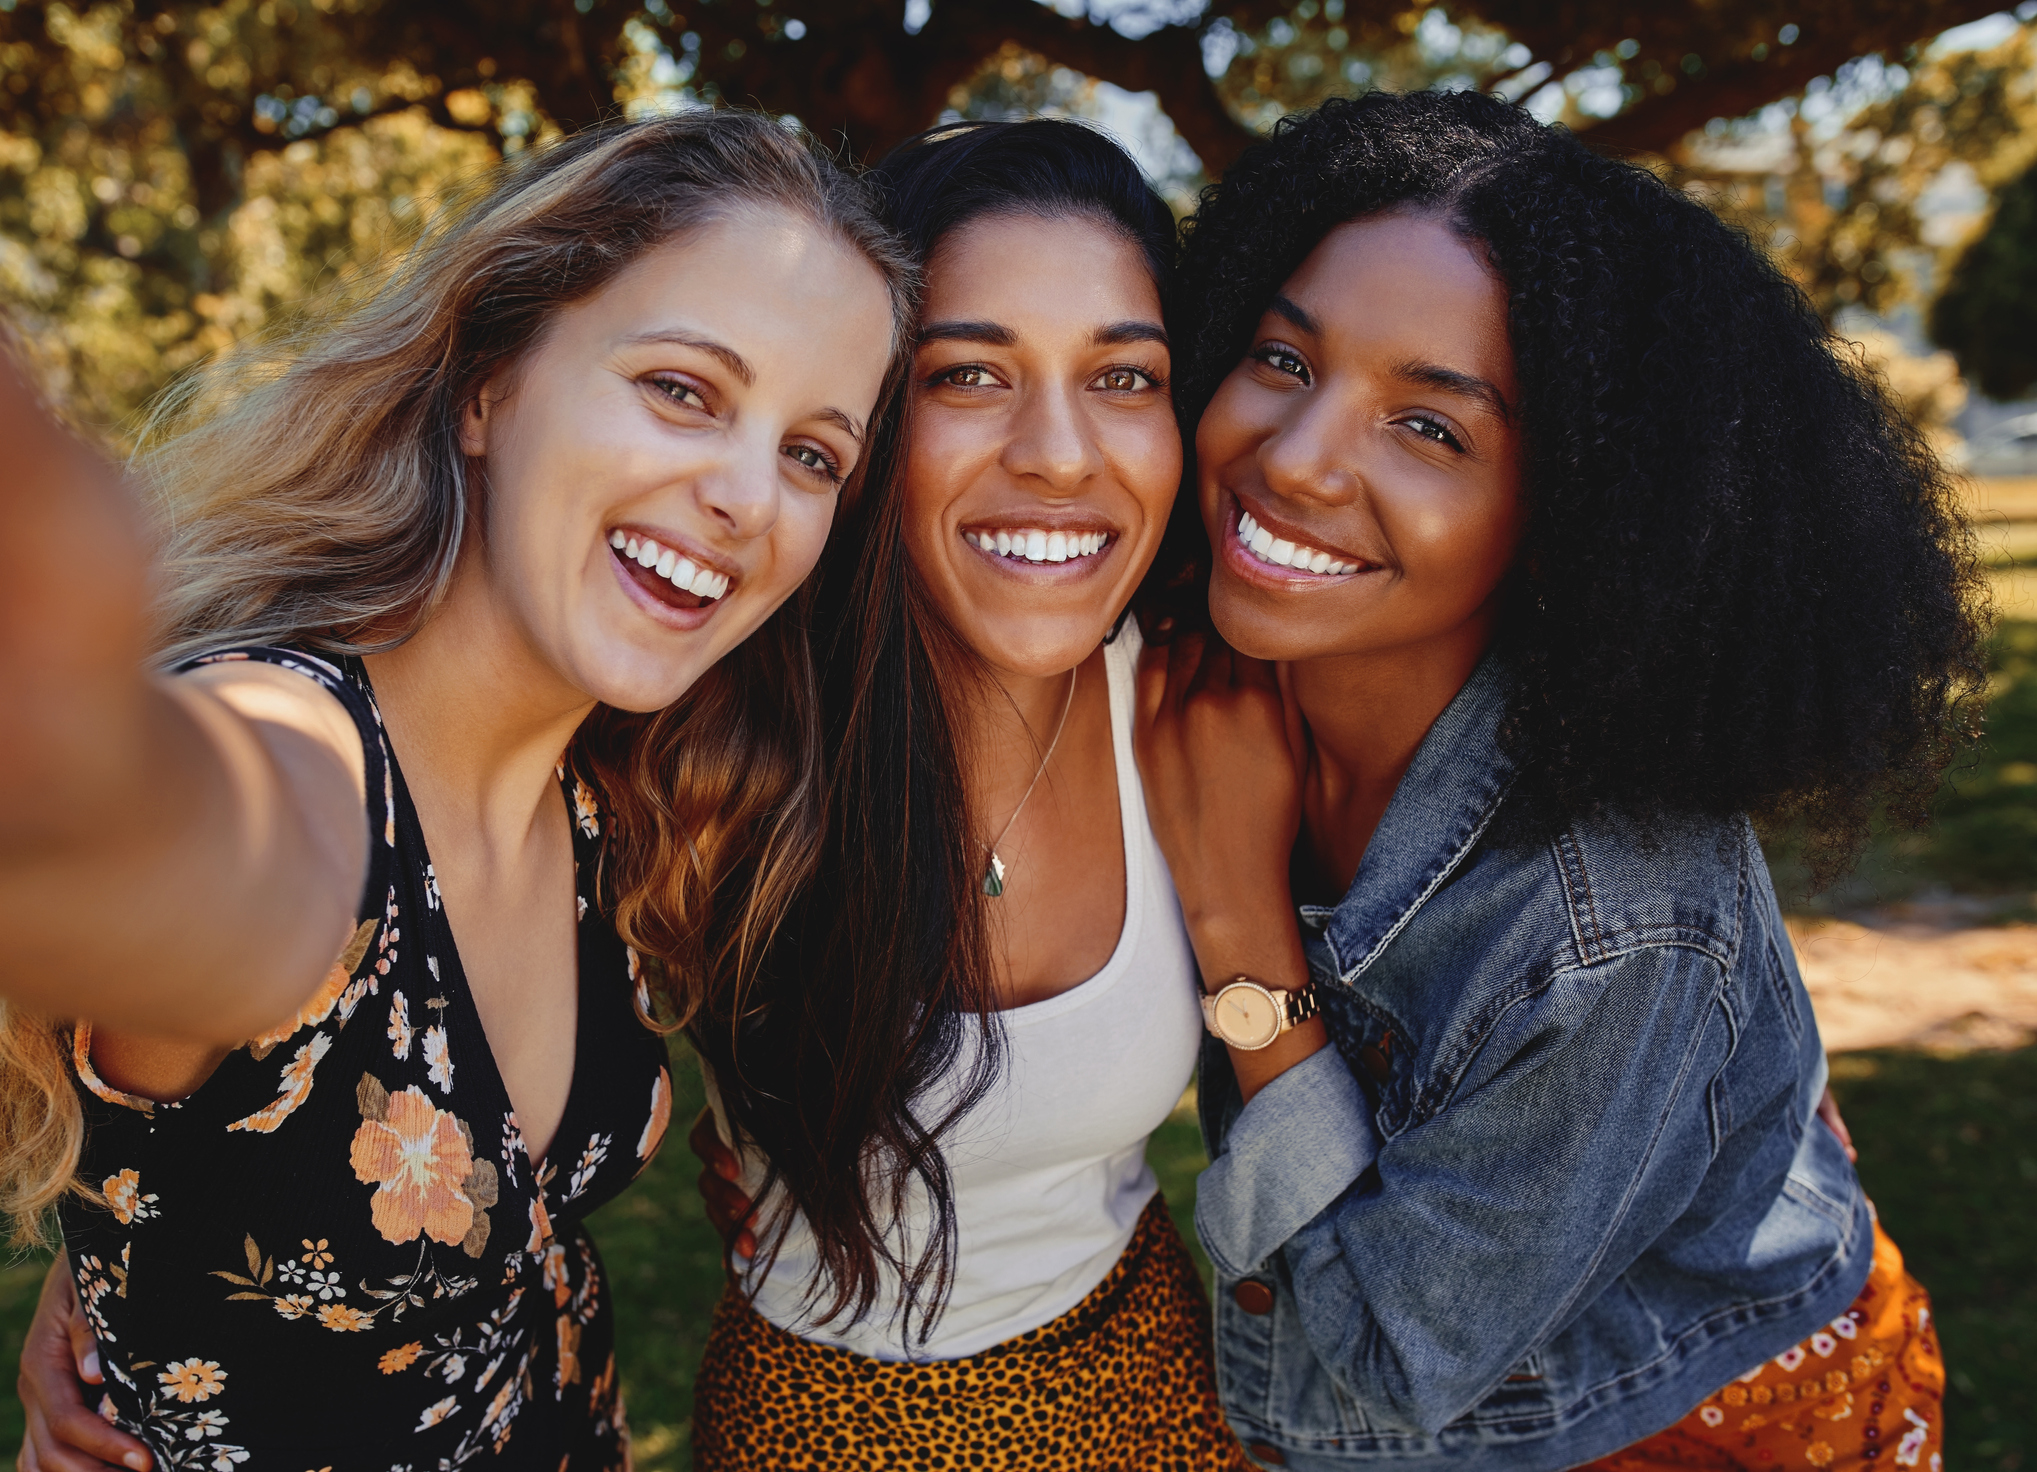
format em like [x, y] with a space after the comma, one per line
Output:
[475, 560]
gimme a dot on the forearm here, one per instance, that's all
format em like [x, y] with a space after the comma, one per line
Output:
[187, 892]
[1256, 936]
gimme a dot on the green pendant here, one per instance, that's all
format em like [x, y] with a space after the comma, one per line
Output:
[993, 877]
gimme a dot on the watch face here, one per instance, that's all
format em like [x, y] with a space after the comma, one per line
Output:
[1246, 1016]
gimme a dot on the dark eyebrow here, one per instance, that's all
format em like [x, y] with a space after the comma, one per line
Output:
[847, 425]
[1450, 381]
[1123, 332]
[1280, 306]
[984, 332]
[730, 359]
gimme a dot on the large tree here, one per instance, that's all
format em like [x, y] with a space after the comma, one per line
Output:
[173, 172]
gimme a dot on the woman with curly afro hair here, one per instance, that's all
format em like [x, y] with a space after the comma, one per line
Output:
[1551, 541]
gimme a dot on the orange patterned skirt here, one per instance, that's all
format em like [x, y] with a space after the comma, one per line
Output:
[1865, 1392]
[1125, 1380]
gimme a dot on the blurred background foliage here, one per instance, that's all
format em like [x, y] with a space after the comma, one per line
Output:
[175, 175]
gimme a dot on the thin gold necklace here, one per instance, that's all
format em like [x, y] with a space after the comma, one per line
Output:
[993, 875]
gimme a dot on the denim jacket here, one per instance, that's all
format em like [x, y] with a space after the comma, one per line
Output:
[1560, 1178]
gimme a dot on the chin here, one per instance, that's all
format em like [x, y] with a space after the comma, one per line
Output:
[1253, 630]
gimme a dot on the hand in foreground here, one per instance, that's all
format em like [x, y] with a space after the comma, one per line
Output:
[64, 1434]
[729, 1211]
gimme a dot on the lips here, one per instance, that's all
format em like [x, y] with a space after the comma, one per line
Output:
[1038, 545]
[667, 574]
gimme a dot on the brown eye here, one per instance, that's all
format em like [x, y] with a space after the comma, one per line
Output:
[968, 376]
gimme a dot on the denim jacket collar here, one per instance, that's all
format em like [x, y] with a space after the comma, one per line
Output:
[1442, 807]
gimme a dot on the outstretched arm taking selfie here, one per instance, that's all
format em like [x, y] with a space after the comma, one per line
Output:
[179, 858]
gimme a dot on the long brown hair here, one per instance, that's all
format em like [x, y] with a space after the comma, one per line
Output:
[872, 1028]
[313, 491]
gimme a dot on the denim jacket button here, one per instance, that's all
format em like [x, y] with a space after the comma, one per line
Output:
[1268, 1453]
[1375, 1062]
[1253, 1296]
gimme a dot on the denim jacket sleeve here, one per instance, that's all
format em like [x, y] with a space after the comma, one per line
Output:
[1578, 1129]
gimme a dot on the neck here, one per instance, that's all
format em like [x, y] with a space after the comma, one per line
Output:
[1366, 716]
[1007, 727]
[480, 720]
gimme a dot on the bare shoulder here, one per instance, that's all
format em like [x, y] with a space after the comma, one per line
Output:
[279, 703]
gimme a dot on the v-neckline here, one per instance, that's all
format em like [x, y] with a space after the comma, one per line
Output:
[452, 975]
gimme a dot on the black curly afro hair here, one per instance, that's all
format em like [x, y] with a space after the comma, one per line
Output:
[1744, 584]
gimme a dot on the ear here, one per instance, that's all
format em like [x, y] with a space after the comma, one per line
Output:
[477, 416]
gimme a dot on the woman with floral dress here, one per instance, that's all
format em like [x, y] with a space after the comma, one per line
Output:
[492, 558]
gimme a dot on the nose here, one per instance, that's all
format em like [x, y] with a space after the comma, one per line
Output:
[1313, 455]
[740, 490]
[1052, 439]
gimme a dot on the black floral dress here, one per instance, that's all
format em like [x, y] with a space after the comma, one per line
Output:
[337, 1253]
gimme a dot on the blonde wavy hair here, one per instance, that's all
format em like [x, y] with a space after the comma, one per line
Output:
[312, 491]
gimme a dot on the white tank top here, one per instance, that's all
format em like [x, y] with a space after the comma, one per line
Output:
[1049, 1171]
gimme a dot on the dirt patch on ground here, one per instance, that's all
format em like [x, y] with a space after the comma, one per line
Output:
[1921, 976]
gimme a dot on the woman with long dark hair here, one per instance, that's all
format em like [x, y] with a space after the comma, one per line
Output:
[476, 748]
[1570, 540]
[942, 1080]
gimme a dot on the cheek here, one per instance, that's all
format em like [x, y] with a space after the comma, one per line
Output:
[800, 538]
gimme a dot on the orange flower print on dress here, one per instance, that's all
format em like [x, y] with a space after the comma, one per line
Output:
[438, 1058]
[568, 1369]
[661, 1116]
[418, 1157]
[123, 1194]
[585, 812]
[193, 1379]
[296, 1088]
[341, 1319]
[319, 1005]
[400, 1358]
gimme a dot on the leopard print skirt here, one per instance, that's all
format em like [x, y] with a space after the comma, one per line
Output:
[1122, 1382]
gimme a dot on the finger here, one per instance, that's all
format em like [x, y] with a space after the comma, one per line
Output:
[83, 1442]
[84, 1348]
[714, 1151]
[1291, 718]
[1184, 658]
[1828, 1110]
[55, 1445]
[1152, 684]
[727, 1207]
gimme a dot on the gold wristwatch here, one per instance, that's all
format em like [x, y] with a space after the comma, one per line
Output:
[1249, 1015]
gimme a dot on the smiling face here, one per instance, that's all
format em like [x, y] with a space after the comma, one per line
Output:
[1044, 453]
[1360, 469]
[663, 464]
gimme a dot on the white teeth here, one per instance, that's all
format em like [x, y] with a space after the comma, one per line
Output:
[666, 560]
[647, 554]
[618, 539]
[1281, 552]
[630, 549]
[682, 574]
[1039, 546]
